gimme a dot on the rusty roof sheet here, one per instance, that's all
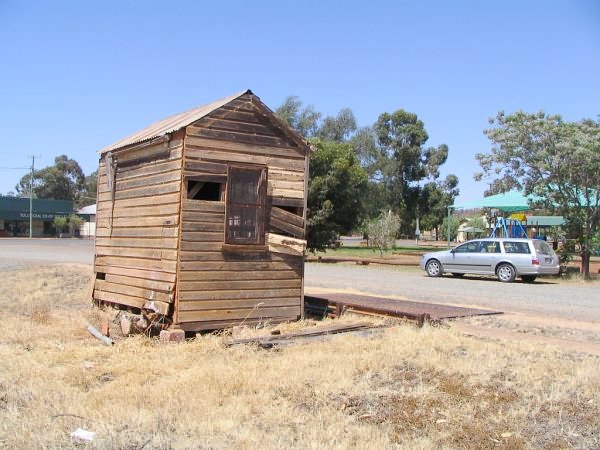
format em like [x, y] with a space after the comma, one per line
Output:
[172, 123]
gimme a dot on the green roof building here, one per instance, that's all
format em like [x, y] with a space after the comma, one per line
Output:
[14, 215]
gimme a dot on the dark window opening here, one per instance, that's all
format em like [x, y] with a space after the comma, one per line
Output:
[292, 209]
[100, 276]
[245, 209]
[204, 190]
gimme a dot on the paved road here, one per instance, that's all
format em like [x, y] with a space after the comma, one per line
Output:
[547, 297]
[18, 250]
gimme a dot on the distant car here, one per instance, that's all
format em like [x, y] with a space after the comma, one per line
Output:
[507, 258]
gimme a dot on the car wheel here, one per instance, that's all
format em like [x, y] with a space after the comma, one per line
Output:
[433, 268]
[506, 273]
[458, 275]
[528, 278]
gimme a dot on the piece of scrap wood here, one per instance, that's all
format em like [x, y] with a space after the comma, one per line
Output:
[314, 332]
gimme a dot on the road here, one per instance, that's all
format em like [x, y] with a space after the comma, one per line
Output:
[546, 297]
[18, 250]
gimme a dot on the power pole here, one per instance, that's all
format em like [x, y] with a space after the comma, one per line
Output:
[31, 196]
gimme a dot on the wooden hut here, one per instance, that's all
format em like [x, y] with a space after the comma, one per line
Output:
[201, 218]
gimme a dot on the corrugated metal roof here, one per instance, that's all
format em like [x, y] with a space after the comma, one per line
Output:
[172, 123]
[90, 209]
[545, 221]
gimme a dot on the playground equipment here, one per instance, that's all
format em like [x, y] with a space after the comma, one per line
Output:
[512, 228]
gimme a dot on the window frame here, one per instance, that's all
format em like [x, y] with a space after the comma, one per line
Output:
[259, 206]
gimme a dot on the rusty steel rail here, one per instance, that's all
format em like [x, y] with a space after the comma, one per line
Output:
[335, 304]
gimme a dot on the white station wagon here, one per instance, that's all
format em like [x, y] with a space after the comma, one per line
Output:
[507, 258]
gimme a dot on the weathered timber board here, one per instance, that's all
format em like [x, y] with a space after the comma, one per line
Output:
[155, 200]
[146, 274]
[203, 226]
[149, 232]
[239, 314]
[195, 216]
[203, 206]
[111, 297]
[220, 324]
[238, 275]
[228, 156]
[242, 284]
[192, 241]
[286, 227]
[205, 167]
[229, 137]
[144, 211]
[235, 266]
[137, 252]
[231, 304]
[137, 263]
[150, 284]
[226, 124]
[147, 294]
[237, 294]
[161, 243]
[145, 221]
[142, 192]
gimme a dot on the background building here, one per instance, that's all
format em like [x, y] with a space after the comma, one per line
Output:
[14, 215]
[88, 228]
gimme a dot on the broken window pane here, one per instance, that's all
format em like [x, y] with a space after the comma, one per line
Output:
[246, 198]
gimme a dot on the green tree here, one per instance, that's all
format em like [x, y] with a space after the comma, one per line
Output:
[335, 190]
[382, 230]
[338, 128]
[434, 199]
[62, 181]
[453, 224]
[557, 161]
[364, 143]
[75, 223]
[90, 189]
[303, 119]
[60, 224]
[405, 161]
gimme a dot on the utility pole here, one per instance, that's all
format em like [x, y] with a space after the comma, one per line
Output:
[31, 196]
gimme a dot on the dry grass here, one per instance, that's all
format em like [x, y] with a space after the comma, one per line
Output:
[406, 387]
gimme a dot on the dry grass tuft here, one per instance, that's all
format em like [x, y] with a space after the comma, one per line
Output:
[404, 388]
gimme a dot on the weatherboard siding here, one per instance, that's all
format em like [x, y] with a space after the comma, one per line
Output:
[137, 232]
[217, 288]
[155, 247]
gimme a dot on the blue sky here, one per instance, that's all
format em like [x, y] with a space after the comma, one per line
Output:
[75, 76]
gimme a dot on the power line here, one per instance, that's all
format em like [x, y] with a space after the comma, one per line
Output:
[15, 168]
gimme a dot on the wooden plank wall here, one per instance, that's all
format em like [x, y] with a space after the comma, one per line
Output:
[137, 235]
[217, 289]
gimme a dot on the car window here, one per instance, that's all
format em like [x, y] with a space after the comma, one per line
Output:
[468, 247]
[489, 247]
[542, 247]
[516, 247]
